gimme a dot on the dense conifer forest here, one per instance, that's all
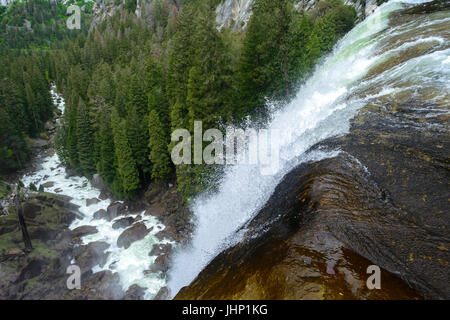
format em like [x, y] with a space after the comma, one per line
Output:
[128, 84]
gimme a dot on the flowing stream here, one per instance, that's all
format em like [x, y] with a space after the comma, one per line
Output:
[380, 58]
[131, 264]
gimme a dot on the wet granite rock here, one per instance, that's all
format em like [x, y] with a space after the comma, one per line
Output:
[136, 232]
[123, 223]
[134, 292]
[97, 182]
[161, 264]
[92, 201]
[114, 210]
[91, 254]
[163, 294]
[83, 231]
[100, 214]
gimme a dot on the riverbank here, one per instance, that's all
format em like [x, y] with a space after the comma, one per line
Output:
[122, 248]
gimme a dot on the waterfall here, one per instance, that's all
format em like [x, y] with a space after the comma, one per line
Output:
[322, 108]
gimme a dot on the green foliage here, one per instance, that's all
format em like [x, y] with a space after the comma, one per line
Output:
[130, 5]
[126, 165]
[46, 24]
[25, 105]
[158, 142]
[32, 187]
[85, 140]
[128, 84]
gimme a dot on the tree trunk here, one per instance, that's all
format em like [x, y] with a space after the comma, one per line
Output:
[22, 224]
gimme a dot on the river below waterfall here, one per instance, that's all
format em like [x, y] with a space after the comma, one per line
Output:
[132, 264]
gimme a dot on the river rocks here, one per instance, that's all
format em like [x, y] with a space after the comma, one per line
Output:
[70, 173]
[91, 255]
[104, 195]
[83, 231]
[123, 223]
[134, 292]
[161, 264]
[100, 214]
[97, 182]
[169, 207]
[48, 184]
[92, 201]
[163, 294]
[137, 232]
[114, 210]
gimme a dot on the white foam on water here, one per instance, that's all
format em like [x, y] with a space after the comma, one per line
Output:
[129, 263]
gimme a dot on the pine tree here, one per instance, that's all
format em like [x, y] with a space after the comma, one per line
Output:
[209, 82]
[70, 120]
[107, 156]
[158, 141]
[263, 64]
[137, 98]
[137, 134]
[85, 140]
[126, 166]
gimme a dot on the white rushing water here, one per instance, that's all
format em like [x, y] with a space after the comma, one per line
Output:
[322, 108]
[129, 263]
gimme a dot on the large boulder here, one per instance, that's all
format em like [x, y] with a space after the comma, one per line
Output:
[161, 264]
[123, 223]
[137, 232]
[97, 182]
[48, 184]
[87, 256]
[134, 292]
[83, 231]
[100, 214]
[92, 201]
[163, 294]
[70, 173]
[114, 210]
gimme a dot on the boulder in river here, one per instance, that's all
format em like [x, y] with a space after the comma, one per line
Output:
[163, 294]
[97, 182]
[92, 201]
[83, 231]
[123, 223]
[48, 184]
[92, 254]
[70, 173]
[161, 264]
[114, 210]
[100, 214]
[134, 292]
[137, 232]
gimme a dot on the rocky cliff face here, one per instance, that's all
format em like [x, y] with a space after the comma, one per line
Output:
[236, 13]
